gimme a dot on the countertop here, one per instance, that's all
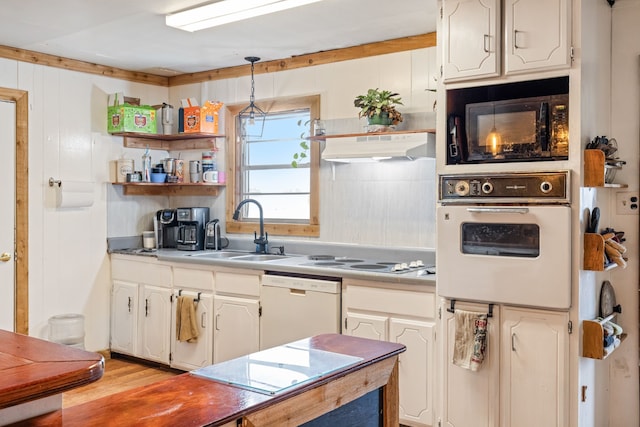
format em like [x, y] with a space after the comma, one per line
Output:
[293, 263]
[191, 400]
[32, 368]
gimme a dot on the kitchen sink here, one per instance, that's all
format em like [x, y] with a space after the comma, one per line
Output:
[260, 257]
[218, 255]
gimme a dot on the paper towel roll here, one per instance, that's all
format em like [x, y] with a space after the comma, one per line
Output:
[73, 194]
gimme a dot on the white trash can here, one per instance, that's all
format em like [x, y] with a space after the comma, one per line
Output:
[67, 329]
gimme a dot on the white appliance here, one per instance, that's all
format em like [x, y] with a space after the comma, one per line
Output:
[505, 238]
[297, 307]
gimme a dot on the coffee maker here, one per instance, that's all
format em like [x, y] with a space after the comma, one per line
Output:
[166, 228]
[191, 223]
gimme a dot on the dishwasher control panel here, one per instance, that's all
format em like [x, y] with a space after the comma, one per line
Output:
[302, 283]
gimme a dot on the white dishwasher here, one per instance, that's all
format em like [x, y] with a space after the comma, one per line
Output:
[297, 307]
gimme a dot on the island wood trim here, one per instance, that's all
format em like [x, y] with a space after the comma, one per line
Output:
[325, 57]
[313, 403]
[21, 178]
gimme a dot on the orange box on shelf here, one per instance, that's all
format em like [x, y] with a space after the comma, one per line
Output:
[209, 117]
[191, 115]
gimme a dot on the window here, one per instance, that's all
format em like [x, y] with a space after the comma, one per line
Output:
[262, 170]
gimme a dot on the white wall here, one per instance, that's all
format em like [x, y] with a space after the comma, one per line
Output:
[625, 127]
[398, 198]
[68, 263]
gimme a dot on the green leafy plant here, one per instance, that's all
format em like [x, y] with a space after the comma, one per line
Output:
[302, 155]
[376, 102]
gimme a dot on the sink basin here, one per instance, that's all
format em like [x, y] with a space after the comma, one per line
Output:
[261, 257]
[218, 255]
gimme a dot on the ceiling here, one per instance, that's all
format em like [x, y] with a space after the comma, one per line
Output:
[132, 35]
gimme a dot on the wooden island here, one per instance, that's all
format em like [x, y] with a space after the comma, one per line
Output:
[370, 378]
[35, 372]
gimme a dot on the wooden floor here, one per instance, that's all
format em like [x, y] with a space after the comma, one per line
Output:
[119, 375]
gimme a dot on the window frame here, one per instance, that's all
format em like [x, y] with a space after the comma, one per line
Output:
[233, 166]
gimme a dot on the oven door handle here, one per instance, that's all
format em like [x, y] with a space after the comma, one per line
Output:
[499, 210]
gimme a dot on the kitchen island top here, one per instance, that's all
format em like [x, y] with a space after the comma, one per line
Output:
[32, 368]
[195, 401]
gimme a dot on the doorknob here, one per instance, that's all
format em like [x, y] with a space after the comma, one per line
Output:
[6, 256]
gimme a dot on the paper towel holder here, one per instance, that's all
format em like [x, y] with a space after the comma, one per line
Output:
[53, 182]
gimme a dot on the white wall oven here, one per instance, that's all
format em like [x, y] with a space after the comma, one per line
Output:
[505, 238]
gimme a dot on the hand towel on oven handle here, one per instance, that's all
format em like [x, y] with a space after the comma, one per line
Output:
[470, 343]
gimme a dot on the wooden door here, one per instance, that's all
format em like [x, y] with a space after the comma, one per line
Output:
[7, 215]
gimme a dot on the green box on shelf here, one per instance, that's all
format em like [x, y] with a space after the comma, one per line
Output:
[131, 118]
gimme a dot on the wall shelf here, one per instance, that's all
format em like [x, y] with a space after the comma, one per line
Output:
[167, 189]
[183, 141]
[594, 170]
[594, 253]
[593, 339]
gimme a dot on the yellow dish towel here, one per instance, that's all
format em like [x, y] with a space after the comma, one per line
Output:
[186, 324]
[470, 342]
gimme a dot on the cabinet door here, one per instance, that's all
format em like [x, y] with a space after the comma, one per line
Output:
[415, 368]
[367, 326]
[471, 399]
[237, 327]
[194, 355]
[155, 316]
[471, 39]
[537, 34]
[535, 357]
[124, 315]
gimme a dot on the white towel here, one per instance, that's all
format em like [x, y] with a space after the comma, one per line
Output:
[470, 342]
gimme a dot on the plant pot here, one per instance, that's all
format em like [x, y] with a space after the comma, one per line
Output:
[381, 119]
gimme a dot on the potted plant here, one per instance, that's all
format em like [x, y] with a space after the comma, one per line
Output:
[378, 106]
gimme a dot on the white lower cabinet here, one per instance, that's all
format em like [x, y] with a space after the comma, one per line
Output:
[124, 317]
[236, 314]
[524, 378]
[197, 284]
[193, 355]
[141, 308]
[404, 316]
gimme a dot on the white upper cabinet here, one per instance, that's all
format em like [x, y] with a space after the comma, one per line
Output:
[536, 34]
[471, 39]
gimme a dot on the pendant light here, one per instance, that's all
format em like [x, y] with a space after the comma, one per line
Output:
[494, 140]
[251, 118]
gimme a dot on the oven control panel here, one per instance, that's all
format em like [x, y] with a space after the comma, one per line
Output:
[526, 187]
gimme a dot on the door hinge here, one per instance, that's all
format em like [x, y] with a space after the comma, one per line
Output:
[170, 357]
[439, 312]
[570, 327]
[345, 325]
[259, 311]
[441, 12]
[439, 423]
[571, 53]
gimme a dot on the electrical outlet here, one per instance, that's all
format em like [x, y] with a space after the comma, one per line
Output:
[627, 203]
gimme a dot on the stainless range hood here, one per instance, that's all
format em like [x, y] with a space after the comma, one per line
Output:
[407, 145]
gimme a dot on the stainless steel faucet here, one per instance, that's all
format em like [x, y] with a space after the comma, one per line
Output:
[262, 240]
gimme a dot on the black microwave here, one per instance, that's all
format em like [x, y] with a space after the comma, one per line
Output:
[526, 129]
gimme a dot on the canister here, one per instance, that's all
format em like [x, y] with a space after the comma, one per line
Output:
[123, 167]
[179, 170]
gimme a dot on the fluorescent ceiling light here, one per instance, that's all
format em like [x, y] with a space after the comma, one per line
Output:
[226, 11]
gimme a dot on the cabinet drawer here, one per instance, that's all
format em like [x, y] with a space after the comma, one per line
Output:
[407, 303]
[193, 279]
[240, 284]
[149, 271]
